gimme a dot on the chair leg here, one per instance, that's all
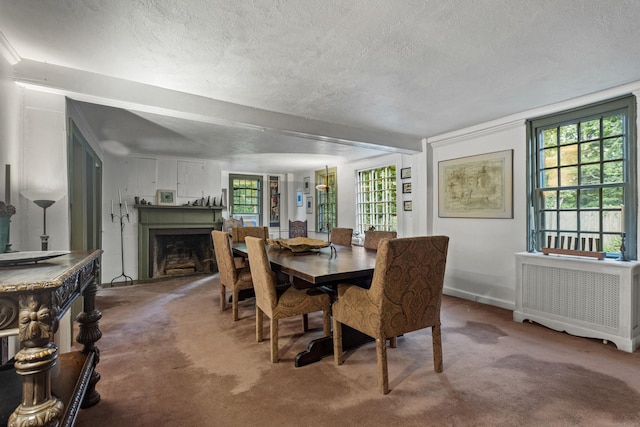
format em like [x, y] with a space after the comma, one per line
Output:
[234, 303]
[436, 339]
[393, 342]
[383, 374]
[305, 322]
[258, 324]
[337, 342]
[326, 322]
[223, 296]
[274, 340]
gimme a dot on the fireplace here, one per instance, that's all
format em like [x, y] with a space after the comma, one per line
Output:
[176, 240]
[174, 252]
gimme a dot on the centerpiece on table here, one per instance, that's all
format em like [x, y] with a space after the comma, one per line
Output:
[299, 244]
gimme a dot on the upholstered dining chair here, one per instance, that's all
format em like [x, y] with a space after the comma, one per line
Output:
[229, 223]
[341, 236]
[279, 305]
[405, 295]
[231, 276]
[239, 233]
[372, 238]
[297, 228]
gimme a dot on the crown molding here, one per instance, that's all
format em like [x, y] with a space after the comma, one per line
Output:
[7, 51]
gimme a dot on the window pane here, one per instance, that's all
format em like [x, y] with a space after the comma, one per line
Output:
[612, 197]
[612, 172]
[611, 221]
[568, 199]
[568, 134]
[550, 220]
[611, 243]
[590, 152]
[589, 130]
[613, 125]
[590, 174]
[589, 198]
[568, 220]
[550, 137]
[613, 149]
[569, 176]
[550, 157]
[590, 221]
[550, 178]
[550, 199]
[569, 155]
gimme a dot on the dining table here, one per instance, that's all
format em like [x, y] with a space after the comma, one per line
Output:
[322, 270]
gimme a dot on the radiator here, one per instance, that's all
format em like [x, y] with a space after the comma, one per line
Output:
[584, 297]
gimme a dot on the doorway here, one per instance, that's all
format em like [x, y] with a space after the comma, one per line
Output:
[85, 192]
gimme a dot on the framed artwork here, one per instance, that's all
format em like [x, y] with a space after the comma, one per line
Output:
[406, 187]
[408, 205]
[405, 173]
[478, 186]
[306, 184]
[274, 201]
[309, 204]
[299, 198]
[166, 197]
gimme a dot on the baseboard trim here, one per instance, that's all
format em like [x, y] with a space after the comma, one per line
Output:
[508, 305]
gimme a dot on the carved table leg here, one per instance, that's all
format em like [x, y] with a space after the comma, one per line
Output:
[88, 334]
[34, 362]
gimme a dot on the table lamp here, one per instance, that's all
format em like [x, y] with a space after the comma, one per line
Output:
[44, 199]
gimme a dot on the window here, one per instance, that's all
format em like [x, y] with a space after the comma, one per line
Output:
[326, 201]
[246, 198]
[376, 199]
[583, 182]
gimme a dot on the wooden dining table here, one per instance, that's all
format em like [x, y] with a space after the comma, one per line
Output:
[322, 268]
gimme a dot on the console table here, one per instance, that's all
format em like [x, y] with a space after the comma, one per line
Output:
[33, 299]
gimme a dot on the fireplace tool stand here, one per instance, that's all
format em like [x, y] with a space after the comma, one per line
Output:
[127, 279]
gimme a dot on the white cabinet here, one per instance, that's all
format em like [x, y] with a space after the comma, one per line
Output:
[582, 296]
[191, 179]
[141, 177]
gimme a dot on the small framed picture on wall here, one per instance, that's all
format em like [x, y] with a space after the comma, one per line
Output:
[408, 205]
[310, 204]
[406, 187]
[299, 198]
[405, 173]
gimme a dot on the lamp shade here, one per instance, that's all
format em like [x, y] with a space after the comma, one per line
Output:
[33, 195]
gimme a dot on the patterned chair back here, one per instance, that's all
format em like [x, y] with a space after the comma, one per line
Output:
[341, 236]
[372, 238]
[297, 228]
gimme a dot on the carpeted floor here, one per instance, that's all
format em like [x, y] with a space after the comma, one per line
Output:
[169, 357]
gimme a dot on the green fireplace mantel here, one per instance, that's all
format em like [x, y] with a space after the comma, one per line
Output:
[171, 217]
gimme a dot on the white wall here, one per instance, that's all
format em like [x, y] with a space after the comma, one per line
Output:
[117, 171]
[481, 262]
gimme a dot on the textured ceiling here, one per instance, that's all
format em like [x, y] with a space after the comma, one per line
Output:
[408, 68]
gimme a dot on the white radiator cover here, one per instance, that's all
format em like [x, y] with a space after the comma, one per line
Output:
[582, 296]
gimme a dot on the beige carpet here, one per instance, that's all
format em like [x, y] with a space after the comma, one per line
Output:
[169, 357]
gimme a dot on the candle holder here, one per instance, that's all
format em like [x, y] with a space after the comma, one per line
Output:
[121, 216]
[623, 256]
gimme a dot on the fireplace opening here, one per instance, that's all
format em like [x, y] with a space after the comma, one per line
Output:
[177, 252]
